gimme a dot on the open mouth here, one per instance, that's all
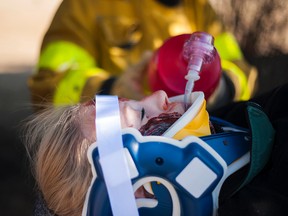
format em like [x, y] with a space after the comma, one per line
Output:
[145, 191]
[145, 196]
[158, 125]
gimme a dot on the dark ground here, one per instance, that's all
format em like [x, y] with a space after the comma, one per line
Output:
[22, 24]
[16, 197]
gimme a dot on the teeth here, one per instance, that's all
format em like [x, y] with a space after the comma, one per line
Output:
[148, 188]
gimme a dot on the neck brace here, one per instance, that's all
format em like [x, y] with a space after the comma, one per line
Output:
[186, 172]
[195, 121]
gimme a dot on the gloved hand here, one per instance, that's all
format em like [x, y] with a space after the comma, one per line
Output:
[130, 83]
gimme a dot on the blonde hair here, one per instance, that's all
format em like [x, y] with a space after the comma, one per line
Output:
[57, 148]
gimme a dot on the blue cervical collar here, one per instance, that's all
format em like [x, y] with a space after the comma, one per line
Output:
[194, 168]
[186, 176]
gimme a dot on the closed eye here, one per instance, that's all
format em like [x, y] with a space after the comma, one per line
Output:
[142, 114]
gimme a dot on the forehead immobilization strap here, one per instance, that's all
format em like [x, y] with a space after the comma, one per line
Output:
[112, 157]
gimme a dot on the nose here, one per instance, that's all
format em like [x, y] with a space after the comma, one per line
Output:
[160, 100]
[156, 104]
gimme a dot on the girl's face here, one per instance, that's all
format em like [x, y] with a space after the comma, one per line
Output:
[132, 113]
[137, 113]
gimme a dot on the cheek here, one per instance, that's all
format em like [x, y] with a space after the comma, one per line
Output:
[130, 117]
[177, 107]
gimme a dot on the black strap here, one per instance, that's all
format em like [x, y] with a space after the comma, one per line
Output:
[107, 86]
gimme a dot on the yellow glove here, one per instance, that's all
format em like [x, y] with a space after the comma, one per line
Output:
[130, 83]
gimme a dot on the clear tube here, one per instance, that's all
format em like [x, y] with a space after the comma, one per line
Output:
[197, 51]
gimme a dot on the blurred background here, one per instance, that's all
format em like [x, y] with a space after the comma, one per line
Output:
[22, 25]
[261, 28]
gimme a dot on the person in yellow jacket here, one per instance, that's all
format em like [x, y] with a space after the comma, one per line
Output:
[99, 46]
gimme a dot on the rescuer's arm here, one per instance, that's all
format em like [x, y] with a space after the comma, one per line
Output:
[67, 56]
[240, 72]
[67, 71]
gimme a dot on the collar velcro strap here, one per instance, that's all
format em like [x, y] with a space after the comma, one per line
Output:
[262, 140]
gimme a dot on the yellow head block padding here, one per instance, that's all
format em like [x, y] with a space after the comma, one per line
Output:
[199, 126]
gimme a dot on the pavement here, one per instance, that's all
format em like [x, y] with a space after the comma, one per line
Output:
[22, 25]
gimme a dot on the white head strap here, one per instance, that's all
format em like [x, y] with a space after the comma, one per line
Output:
[112, 157]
